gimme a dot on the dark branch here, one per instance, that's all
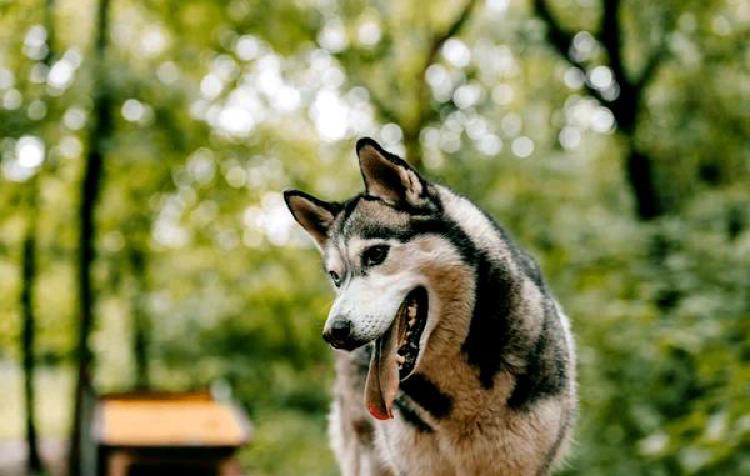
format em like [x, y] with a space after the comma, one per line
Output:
[458, 23]
[652, 65]
[625, 106]
[558, 37]
[610, 36]
[562, 41]
[426, 112]
[658, 56]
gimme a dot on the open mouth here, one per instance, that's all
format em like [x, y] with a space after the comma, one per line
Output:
[395, 354]
[413, 315]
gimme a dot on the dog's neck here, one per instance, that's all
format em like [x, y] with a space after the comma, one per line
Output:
[454, 360]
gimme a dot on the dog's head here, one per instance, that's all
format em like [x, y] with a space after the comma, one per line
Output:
[383, 260]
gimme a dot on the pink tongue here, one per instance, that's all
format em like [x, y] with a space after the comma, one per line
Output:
[382, 379]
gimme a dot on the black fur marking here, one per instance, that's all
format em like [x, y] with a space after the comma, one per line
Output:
[410, 416]
[364, 431]
[489, 331]
[424, 225]
[531, 268]
[527, 263]
[427, 395]
[400, 207]
[349, 207]
[545, 373]
[375, 231]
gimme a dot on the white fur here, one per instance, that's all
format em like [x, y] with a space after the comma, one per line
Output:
[371, 301]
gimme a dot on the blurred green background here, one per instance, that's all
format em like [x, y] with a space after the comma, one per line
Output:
[611, 137]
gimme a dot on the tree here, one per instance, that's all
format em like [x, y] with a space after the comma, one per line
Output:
[28, 283]
[626, 105]
[419, 111]
[137, 257]
[100, 133]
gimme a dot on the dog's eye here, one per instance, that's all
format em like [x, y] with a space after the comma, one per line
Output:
[374, 255]
[335, 278]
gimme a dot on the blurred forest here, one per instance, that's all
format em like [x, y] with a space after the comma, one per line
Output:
[144, 241]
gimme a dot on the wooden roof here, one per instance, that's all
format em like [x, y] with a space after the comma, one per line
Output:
[163, 419]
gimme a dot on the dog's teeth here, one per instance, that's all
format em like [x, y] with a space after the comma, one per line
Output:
[412, 321]
[412, 311]
[400, 359]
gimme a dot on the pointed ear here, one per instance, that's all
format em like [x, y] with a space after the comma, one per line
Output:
[389, 177]
[315, 216]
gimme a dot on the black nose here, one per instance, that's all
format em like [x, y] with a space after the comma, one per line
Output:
[339, 332]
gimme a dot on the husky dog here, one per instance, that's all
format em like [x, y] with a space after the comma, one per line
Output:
[453, 357]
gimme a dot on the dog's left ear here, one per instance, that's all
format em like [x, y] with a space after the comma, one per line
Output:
[389, 177]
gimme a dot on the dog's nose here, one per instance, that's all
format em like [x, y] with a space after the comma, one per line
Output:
[338, 334]
[341, 328]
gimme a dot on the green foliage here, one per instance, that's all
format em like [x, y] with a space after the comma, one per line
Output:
[288, 442]
[220, 105]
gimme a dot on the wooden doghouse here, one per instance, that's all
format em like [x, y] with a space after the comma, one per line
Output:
[144, 434]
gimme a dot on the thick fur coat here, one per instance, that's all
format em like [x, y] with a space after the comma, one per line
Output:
[492, 389]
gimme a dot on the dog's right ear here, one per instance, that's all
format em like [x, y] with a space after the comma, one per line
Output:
[315, 216]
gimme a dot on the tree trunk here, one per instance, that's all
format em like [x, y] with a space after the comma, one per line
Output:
[28, 285]
[140, 316]
[640, 175]
[28, 282]
[101, 131]
[639, 168]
